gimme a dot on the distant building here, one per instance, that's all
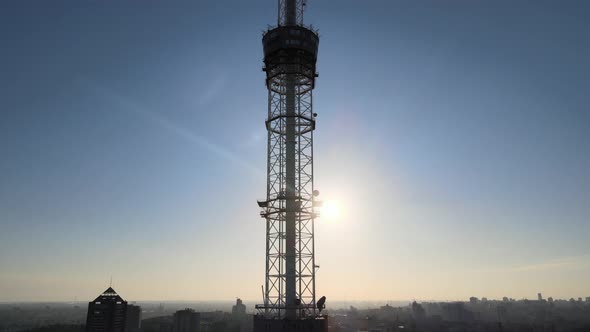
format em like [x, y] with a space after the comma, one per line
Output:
[238, 310]
[133, 321]
[106, 313]
[539, 297]
[186, 320]
[505, 299]
[418, 311]
[213, 316]
[456, 312]
[550, 299]
[587, 299]
[473, 300]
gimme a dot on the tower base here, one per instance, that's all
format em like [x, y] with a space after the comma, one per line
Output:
[316, 324]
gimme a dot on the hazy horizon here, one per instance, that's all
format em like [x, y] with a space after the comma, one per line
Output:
[452, 141]
[335, 303]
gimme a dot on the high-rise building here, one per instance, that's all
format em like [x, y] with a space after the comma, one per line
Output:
[539, 297]
[133, 321]
[238, 310]
[106, 313]
[187, 320]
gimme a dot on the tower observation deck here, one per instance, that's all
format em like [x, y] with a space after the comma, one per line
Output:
[290, 54]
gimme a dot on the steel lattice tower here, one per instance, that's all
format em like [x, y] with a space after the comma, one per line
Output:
[290, 54]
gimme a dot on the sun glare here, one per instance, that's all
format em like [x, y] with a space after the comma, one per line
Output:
[330, 210]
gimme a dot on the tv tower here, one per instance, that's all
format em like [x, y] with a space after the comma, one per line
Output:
[290, 54]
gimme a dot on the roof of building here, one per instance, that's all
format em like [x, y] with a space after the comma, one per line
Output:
[109, 292]
[109, 295]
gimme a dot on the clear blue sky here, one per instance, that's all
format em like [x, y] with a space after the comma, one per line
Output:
[454, 136]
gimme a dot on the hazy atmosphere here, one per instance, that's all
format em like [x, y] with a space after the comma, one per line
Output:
[452, 149]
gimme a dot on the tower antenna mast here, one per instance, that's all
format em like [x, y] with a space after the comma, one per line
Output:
[290, 55]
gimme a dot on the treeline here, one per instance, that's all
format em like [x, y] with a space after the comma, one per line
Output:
[57, 328]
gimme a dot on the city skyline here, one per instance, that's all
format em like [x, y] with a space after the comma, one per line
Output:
[451, 149]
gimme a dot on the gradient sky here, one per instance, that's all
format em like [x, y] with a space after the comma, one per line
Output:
[455, 135]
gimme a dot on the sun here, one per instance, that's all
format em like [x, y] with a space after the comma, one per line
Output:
[330, 210]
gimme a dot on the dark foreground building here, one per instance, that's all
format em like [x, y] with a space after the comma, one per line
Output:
[106, 313]
[187, 320]
[133, 321]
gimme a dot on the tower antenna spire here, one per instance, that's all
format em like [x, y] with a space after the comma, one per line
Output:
[291, 12]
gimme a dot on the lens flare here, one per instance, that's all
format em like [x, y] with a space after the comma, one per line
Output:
[330, 210]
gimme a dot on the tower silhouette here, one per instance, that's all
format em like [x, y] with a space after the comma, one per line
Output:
[290, 55]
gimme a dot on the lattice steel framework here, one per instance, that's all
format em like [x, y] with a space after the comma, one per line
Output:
[291, 12]
[290, 54]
